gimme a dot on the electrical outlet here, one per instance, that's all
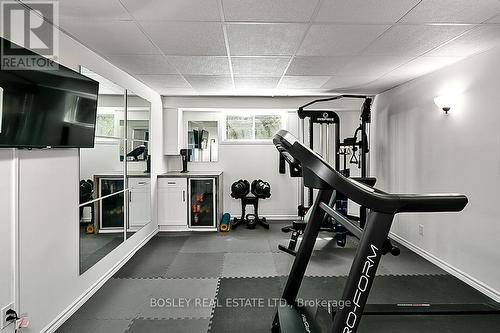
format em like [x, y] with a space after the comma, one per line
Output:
[3, 315]
[420, 229]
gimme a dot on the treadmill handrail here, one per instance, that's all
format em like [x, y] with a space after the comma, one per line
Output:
[364, 195]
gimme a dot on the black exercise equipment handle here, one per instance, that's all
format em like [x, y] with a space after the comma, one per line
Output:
[319, 174]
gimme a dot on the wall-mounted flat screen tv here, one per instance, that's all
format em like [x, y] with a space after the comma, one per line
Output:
[46, 107]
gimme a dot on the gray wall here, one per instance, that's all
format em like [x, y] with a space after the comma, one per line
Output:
[419, 149]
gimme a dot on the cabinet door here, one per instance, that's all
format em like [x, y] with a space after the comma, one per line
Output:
[202, 207]
[172, 201]
[139, 206]
[172, 133]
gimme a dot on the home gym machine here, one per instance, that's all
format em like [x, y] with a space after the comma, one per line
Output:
[260, 190]
[318, 174]
[357, 148]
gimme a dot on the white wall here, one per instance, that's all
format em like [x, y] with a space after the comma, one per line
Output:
[6, 223]
[417, 148]
[257, 161]
[51, 286]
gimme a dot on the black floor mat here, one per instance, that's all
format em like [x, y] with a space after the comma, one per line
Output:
[236, 316]
[398, 289]
[430, 324]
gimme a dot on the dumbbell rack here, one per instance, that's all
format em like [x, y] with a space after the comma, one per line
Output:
[254, 218]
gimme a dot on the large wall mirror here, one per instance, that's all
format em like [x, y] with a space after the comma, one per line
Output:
[115, 190]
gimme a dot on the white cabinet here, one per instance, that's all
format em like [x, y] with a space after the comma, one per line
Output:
[139, 203]
[172, 131]
[172, 202]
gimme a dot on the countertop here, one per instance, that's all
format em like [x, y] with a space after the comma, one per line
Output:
[130, 174]
[190, 174]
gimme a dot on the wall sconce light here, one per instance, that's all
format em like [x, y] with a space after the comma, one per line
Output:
[444, 102]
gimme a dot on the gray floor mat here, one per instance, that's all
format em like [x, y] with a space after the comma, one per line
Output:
[94, 326]
[196, 265]
[131, 298]
[248, 265]
[147, 263]
[141, 325]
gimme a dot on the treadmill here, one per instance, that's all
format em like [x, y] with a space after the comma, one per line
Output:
[374, 242]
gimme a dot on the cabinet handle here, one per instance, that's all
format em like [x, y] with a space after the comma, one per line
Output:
[184, 196]
[129, 196]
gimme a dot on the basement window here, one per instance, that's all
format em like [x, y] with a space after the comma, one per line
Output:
[252, 127]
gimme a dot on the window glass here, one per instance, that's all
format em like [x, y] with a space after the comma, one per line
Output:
[105, 125]
[266, 126]
[239, 128]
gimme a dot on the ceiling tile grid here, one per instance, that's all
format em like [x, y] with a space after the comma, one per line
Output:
[275, 46]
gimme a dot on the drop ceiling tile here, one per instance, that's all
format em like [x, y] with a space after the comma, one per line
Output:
[345, 82]
[206, 82]
[177, 92]
[256, 82]
[201, 65]
[265, 39]
[174, 10]
[269, 11]
[453, 11]
[143, 64]
[364, 11]
[372, 65]
[383, 84]
[163, 81]
[479, 39]
[94, 9]
[259, 66]
[413, 40]
[187, 38]
[109, 37]
[339, 40]
[306, 82]
[422, 66]
[316, 65]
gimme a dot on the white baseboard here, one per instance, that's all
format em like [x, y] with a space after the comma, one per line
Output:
[282, 217]
[70, 310]
[464, 277]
